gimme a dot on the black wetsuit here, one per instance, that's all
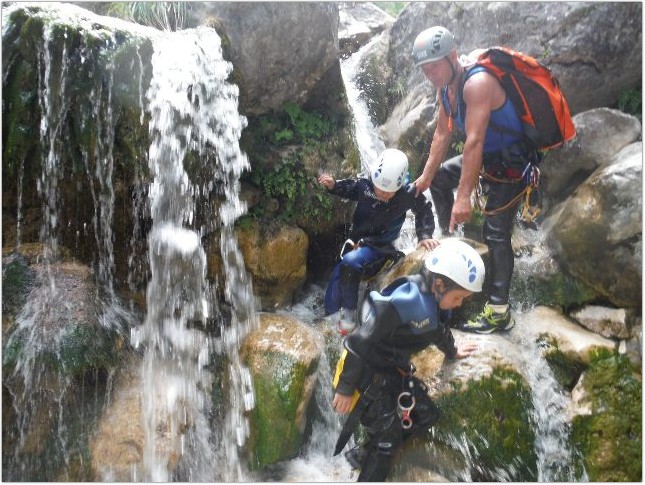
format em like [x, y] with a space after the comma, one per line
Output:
[403, 319]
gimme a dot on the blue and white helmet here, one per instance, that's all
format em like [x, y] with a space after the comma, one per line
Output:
[391, 172]
[458, 261]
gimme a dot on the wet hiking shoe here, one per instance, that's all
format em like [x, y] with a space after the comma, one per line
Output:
[489, 321]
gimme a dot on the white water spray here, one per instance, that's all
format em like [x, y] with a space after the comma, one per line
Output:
[192, 108]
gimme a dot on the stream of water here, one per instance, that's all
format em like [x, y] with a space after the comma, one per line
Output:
[175, 379]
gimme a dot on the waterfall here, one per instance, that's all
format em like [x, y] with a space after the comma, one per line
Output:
[370, 144]
[192, 107]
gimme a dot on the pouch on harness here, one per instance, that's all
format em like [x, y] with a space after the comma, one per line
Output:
[535, 94]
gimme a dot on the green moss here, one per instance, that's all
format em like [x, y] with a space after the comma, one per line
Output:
[494, 414]
[278, 392]
[554, 290]
[81, 350]
[610, 439]
[566, 370]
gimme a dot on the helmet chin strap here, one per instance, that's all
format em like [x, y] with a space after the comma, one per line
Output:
[454, 71]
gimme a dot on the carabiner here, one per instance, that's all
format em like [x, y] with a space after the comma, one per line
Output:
[406, 403]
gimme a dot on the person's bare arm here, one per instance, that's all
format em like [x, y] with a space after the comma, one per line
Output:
[438, 149]
[481, 95]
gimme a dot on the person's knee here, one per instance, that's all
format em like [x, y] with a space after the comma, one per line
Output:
[349, 274]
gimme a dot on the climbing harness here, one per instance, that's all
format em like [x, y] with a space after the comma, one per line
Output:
[532, 202]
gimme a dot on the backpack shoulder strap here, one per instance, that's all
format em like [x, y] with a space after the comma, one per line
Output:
[470, 71]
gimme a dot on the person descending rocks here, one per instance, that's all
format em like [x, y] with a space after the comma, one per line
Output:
[382, 202]
[374, 381]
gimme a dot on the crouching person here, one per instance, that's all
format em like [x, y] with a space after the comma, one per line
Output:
[374, 381]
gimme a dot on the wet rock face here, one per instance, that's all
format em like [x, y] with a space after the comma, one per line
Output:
[281, 50]
[597, 233]
[282, 356]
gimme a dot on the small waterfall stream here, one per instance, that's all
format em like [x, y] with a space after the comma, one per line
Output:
[192, 113]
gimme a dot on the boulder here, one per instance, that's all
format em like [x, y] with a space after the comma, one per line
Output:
[596, 234]
[275, 256]
[280, 50]
[282, 356]
[608, 322]
[359, 22]
[601, 134]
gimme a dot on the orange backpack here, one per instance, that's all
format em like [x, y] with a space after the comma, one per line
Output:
[535, 94]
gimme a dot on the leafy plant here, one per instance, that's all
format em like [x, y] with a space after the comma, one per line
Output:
[297, 193]
[631, 101]
[161, 15]
[307, 125]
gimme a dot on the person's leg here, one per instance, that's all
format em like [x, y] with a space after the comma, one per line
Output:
[383, 428]
[332, 295]
[445, 182]
[354, 265]
[497, 236]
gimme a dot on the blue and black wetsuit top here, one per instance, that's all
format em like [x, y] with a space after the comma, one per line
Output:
[397, 322]
[504, 117]
[379, 223]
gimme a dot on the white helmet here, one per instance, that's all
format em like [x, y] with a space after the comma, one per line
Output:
[458, 261]
[391, 171]
[431, 45]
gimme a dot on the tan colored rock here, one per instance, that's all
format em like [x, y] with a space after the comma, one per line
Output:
[276, 258]
[572, 339]
[282, 356]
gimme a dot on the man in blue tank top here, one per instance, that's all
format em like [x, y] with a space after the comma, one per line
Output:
[476, 102]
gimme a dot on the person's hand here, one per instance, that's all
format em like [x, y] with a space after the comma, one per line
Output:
[327, 180]
[462, 209]
[342, 404]
[422, 183]
[428, 244]
[465, 350]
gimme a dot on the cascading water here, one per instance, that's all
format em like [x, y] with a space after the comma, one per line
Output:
[370, 145]
[193, 113]
[192, 107]
[43, 395]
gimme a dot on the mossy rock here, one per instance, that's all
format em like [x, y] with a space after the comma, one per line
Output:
[17, 281]
[283, 360]
[494, 415]
[558, 290]
[610, 438]
[566, 368]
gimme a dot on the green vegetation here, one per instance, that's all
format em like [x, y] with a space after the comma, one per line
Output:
[297, 135]
[393, 8]
[631, 102]
[565, 369]
[161, 15]
[610, 438]
[278, 391]
[494, 416]
[297, 193]
[294, 125]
